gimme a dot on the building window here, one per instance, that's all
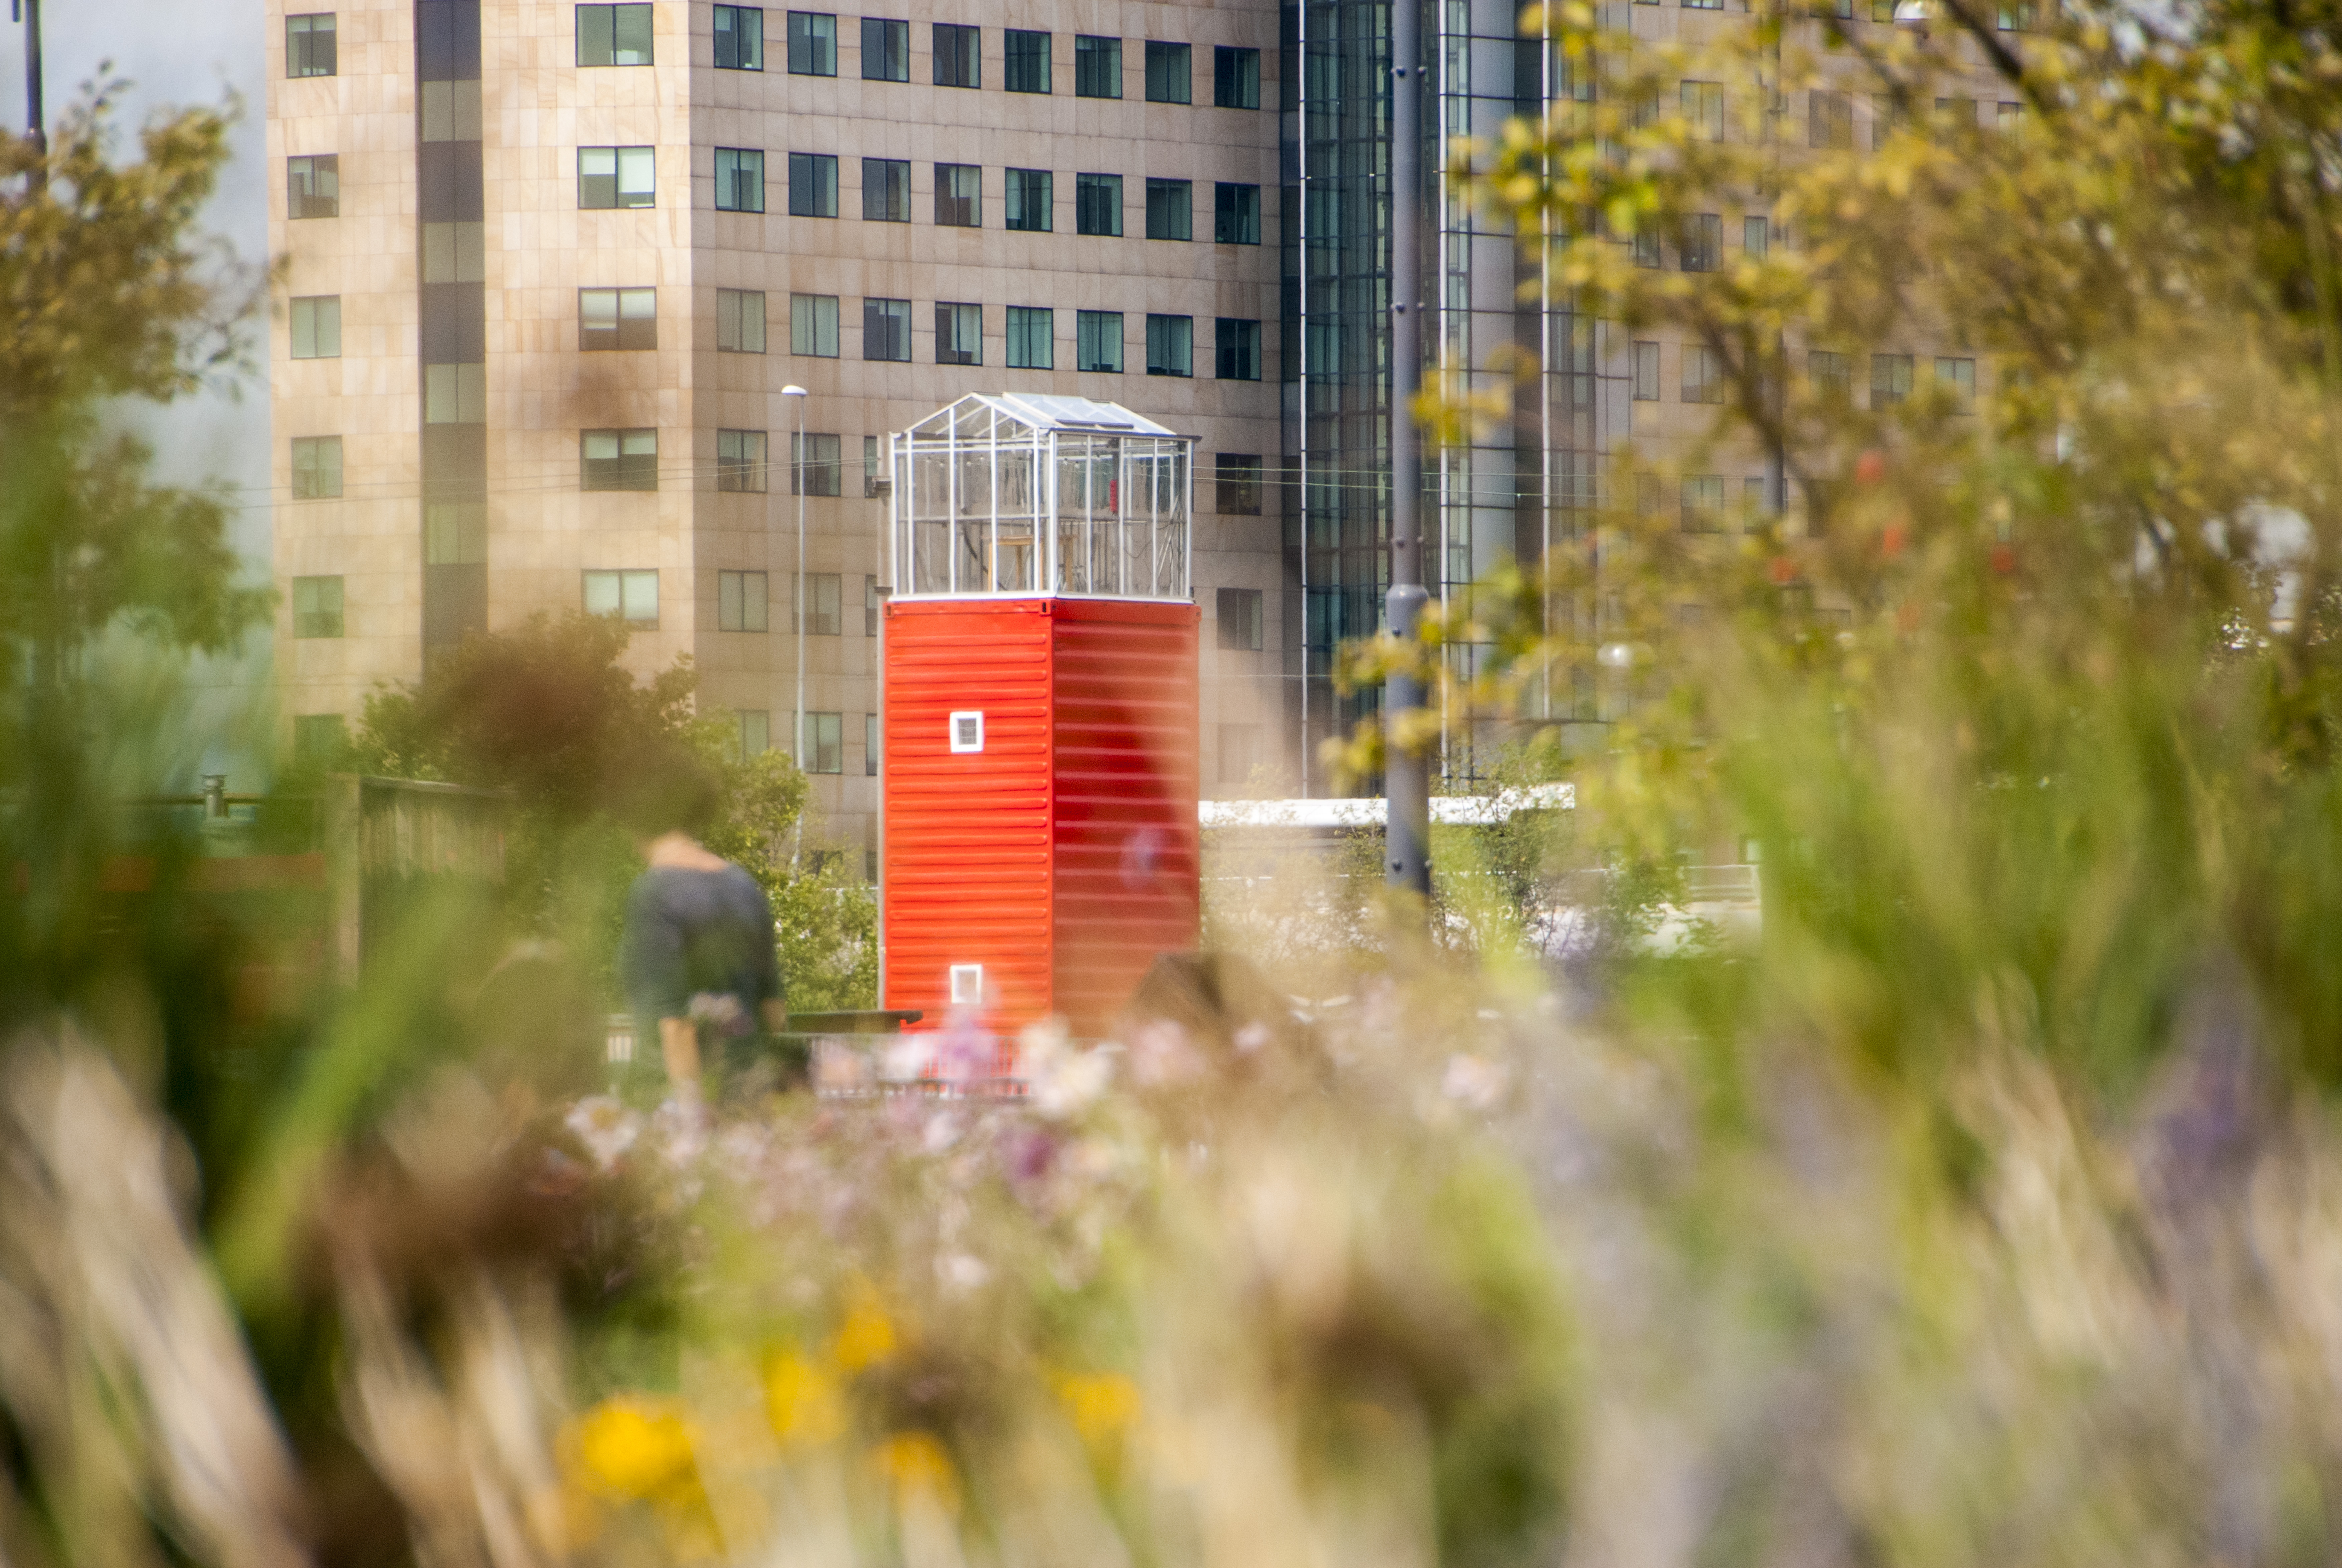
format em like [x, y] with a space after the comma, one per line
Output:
[739, 180]
[1236, 78]
[1703, 104]
[1097, 67]
[740, 463]
[316, 607]
[2008, 119]
[1890, 379]
[886, 329]
[1647, 248]
[739, 38]
[1235, 349]
[309, 45]
[869, 758]
[813, 325]
[1032, 338]
[1646, 371]
[869, 584]
[1961, 114]
[2016, 17]
[316, 467]
[1168, 209]
[454, 395]
[886, 190]
[1703, 503]
[613, 34]
[1239, 752]
[1754, 502]
[813, 43]
[1167, 73]
[1236, 477]
[872, 486]
[618, 460]
[1756, 237]
[1097, 341]
[1097, 204]
[959, 196]
[740, 320]
[1703, 375]
[959, 334]
[1957, 378]
[617, 318]
[1026, 66]
[320, 737]
[1170, 345]
[814, 460]
[824, 751]
[455, 533]
[1829, 120]
[742, 600]
[958, 63]
[313, 187]
[456, 253]
[615, 177]
[812, 184]
[1235, 214]
[885, 50]
[1240, 618]
[632, 596]
[451, 111]
[754, 732]
[318, 327]
[1832, 375]
[1029, 193]
[1701, 242]
[823, 616]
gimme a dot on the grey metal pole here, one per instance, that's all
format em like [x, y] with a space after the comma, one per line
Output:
[798, 718]
[1407, 787]
[35, 131]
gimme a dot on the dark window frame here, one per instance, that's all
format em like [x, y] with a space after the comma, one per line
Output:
[1097, 201]
[1019, 325]
[599, 31]
[816, 195]
[324, 615]
[1240, 633]
[958, 57]
[1025, 60]
[886, 47]
[635, 471]
[956, 208]
[812, 51]
[624, 332]
[1235, 349]
[952, 318]
[1237, 484]
[1170, 72]
[1170, 209]
[1236, 77]
[315, 478]
[739, 48]
[892, 193]
[1236, 213]
[888, 320]
[746, 178]
[1021, 201]
[1097, 66]
[304, 174]
[1172, 350]
[1091, 333]
[305, 55]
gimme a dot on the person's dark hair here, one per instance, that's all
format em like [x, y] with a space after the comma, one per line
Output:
[664, 788]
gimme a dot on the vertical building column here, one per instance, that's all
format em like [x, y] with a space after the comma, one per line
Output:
[451, 267]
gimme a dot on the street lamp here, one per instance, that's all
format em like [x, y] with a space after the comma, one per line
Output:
[798, 743]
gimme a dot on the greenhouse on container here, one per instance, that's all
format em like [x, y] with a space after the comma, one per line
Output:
[1024, 493]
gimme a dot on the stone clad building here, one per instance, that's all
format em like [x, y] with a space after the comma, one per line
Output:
[549, 268]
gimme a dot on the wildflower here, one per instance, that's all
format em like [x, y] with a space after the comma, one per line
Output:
[605, 1127]
[867, 1337]
[1103, 1406]
[918, 1464]
[629, 1449]
[802, 1401]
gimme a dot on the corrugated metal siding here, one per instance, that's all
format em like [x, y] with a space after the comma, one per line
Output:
[967, 836]
[1128, 844]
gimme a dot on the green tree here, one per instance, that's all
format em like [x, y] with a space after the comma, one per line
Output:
[107, 581]
[548, 713]
[2031, 691]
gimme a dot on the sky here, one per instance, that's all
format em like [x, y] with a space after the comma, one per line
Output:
[176, 53]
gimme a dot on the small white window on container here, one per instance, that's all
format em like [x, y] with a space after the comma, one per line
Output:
[967, 734]
[967, 984]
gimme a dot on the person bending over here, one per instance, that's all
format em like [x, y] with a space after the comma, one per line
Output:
[699, 952]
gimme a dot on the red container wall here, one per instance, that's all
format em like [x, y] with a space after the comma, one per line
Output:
[967, 835]
[1128, 844]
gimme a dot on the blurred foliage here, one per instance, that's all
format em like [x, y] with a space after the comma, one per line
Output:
[2031, 691]
[547, 713]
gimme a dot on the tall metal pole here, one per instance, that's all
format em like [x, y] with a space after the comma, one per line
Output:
[796, 741]
[1406, 843]
[35, 130]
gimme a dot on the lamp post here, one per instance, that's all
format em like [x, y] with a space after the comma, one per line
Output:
[796, 744]
[1406, 775]
[29, 12]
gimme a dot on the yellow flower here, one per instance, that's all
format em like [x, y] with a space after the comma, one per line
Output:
[867, 1337]
[629, 1449]
[802, 1401]
[917, 1463]
[1102, 1406]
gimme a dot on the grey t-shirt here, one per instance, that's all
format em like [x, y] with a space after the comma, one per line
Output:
[703, 936]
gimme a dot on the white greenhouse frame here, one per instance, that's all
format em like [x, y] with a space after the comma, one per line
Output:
[1018, 494]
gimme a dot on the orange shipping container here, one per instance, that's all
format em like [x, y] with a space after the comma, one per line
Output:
[1040, 799]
